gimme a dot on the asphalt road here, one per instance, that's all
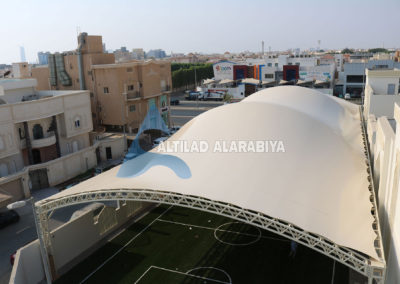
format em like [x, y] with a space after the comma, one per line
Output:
[186, 110]
[23, 232]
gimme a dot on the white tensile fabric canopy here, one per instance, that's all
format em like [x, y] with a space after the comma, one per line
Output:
[251, 81]
[319, 183]
[226, 81]
[208, 81]
[300, 82]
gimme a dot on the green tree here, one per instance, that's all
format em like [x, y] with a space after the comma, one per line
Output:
[348, 50]
[378, 50]
[183, 74]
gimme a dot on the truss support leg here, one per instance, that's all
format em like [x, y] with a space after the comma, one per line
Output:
[43, 248]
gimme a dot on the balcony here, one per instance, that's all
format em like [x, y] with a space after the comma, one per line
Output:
[48, 140]
[44, 142]
[132, 95]
[166, 89]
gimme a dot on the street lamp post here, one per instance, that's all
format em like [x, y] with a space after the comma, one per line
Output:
[43, 250]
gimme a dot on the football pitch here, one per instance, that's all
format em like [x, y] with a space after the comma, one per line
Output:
[181, 245]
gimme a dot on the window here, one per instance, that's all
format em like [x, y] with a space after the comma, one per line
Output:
[77, 123]
[298, 63]
[129, 69]
[105, 90]
[131, 87]
[269, 64]
[381, 66]
[276, 64]
[132, 108]
[37, 131]
[290, 63]
[269, 76]
[3, 170]
[391, 89]
[354, 78]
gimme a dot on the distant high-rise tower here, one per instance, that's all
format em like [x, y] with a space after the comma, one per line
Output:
[262, 48]
[43, 57]
[22, 53]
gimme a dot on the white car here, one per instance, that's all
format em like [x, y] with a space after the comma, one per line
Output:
[347, 96]
[174, 129]
[157, 141]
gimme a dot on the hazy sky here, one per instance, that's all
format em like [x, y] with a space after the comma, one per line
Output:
[202, 26]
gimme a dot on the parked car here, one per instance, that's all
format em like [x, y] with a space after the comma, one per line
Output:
[347, 96]
[174, 102]
[7, 218]
[192, 96]
[174, 129]
[99, 170]
[71, 185]
[157, 141]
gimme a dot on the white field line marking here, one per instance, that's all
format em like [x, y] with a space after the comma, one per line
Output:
[188, 274]
[127, 244]
[221, 230]
[141, 276]
[258, 237]
[210, 267]
[333, 272]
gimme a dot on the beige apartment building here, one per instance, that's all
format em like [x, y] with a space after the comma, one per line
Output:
[120, 93]
[44, 138]
[21, 70]
[126, 91]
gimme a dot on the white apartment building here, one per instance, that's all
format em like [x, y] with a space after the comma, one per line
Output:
[381, 92]
[44, 137]
[271, 68]
[382, 113]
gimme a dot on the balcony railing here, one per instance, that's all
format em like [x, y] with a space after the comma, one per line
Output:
[133, 95]
[44, 142]
[166, 89]
[48, 140]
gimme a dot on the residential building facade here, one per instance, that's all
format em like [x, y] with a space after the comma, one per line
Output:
[126, 91]
[120, 93]
[41, 133]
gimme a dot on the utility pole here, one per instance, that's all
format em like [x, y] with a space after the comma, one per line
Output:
[195, 87]
[195, 78]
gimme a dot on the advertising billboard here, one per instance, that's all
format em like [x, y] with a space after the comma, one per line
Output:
[223, 70]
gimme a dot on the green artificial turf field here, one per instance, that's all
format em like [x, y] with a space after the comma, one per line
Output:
[181, 245]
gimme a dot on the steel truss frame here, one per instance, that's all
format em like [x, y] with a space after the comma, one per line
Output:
[374, 270]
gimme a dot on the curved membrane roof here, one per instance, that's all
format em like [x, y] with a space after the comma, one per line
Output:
[319, 183]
